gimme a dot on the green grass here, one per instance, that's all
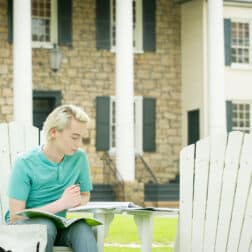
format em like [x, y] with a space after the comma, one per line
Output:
[164, 230]
[116, 249]
[124, 231]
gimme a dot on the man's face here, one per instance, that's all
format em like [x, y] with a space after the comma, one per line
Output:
[70, 139]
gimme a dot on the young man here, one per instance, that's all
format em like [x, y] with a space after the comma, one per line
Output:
[54, 177]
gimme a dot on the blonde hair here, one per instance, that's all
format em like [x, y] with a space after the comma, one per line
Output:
[61, 117]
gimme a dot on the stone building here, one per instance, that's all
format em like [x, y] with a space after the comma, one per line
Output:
[82, 32]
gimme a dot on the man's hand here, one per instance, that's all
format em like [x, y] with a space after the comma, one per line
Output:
[71, 197]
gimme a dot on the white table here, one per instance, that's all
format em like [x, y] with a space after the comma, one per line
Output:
[143, 220]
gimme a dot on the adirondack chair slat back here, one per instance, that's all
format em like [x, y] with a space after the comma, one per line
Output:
[216, 194]
[15, 140]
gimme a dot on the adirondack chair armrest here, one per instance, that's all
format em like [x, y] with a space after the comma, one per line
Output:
[27, 237]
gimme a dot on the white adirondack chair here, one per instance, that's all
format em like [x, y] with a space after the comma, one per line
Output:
[216, 195]
[15, 139]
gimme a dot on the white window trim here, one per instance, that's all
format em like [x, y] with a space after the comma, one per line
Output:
[237, 66]
[139, 27]
[241, 66]
[246, 4]
[112, 150]
[138, 49]
[138, 126]
[53, 29]
[112, 47]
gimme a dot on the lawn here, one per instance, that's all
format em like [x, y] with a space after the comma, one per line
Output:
[123, 235]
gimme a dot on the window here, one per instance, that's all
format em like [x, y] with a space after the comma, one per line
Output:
[138, 124]
[51, 23]
[43, 103]
[44, 23]
[240, 42]
[137, 25]
[144, 19]
[241, 116]
[144, 124]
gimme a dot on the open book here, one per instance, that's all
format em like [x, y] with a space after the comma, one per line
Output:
[120, 205]
[109, 205]
[60, 222]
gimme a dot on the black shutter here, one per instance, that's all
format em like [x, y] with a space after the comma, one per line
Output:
[193, 128]
[103, 24]
[227, 42]
[149, 124]
[65, 22]
[102, 122]
[229, 110]
[149, 25]
[10, 20]
[181, 1]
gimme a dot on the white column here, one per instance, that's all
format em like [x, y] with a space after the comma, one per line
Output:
[22, 53]
[125, 159]
[216, 85]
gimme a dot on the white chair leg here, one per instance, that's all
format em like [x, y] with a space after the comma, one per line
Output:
[102, 230]
[145, 228]
[176, 244]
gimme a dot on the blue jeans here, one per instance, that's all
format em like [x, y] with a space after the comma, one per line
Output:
[79, 236]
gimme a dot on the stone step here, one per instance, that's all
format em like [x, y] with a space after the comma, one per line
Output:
[161, 192]
[171, 204]
[103, 192]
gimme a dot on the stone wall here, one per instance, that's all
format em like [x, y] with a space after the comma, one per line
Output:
[6, 68]
[130, 192]
[86, 73]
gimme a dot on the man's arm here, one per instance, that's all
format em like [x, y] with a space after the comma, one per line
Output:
[85, 197]
[16, 206]
[70, 198]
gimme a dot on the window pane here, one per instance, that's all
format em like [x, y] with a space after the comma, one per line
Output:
[240, 42]
[41, 17]
[113, 22]
[113, 124]
[241, 117]
[40, 30]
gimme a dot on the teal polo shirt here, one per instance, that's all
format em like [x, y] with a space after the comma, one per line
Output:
[39, 181]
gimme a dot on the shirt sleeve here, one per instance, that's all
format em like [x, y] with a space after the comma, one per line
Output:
[20, 182]
[85, 178]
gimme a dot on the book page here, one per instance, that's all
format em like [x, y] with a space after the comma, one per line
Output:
[59, 221]
[120, 205]
[105, 205]
[155, 209]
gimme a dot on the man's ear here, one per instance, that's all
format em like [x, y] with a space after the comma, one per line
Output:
[52, 132]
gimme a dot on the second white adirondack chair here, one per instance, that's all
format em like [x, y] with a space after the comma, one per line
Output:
[14, 140]
[216, 195]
